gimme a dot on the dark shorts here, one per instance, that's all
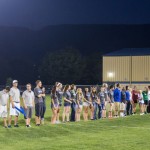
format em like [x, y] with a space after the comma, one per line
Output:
[66, 104]
[145, 102]
[29, 112]
[39, 109]
[135, 101]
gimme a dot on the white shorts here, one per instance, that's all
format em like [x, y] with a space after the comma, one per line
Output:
[80, 106]
[86, 104]
[14, 111]
[122, 106]
[3, 111]
[141, 101]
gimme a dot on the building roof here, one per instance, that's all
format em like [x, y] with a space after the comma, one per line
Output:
[130, 52]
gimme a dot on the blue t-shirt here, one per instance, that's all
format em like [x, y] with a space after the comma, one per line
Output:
[127, 96]
[117, 95]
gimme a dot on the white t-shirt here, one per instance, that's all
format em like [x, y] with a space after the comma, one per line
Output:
[28, 97]
[149, 95]
[15, 94]
[4, 97]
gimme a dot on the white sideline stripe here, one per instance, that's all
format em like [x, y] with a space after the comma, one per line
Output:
[144, 128]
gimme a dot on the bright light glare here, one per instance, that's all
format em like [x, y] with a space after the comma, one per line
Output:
[110, 74]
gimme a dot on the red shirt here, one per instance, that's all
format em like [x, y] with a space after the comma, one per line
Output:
[134, 95]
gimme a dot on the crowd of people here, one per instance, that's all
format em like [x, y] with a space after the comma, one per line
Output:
[107, 102]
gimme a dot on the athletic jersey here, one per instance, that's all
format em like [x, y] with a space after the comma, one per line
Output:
[101, 96]
[87, 96]
[111, 96]
[4, 97]
[80, 99]
[28, 97]
[55, 98]
[15, 94]
[145, 95]
[94, 97]
[117, 95]
[134, 95]
[59, 95]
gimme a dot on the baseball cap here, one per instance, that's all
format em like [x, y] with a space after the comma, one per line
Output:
[15, 81]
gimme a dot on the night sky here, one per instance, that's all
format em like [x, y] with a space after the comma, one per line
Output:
[39, 13]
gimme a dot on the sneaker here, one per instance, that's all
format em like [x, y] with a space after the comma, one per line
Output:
[9, 126]
[5, 127]
[27, 126]
[16, 126]
[38, 125]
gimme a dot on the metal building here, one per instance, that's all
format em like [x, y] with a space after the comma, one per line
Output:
[129, 66]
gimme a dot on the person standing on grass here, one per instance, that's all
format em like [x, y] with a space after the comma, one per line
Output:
[54, 105]
[134, 99]
[117, 100]
[59, 93]
[105, 85]
[102, 106]
[95, 103]
[111, 101]
[4, 97]
[38, 102]
[28, 102]
[67, 103]
[86, 104]
[14, 102]
[141, 102]
[128, 101]
[44, 105]
[73, 104]
[145, 98]
[79, 103]
[123, 102]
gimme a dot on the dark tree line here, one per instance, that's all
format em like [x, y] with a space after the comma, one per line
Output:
[70, 66]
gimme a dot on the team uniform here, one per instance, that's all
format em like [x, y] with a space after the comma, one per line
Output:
[4, 97]
[140, 99]
[28, 97]
[79, 99]
[60, 96]
[117, 100]
[15, 94]
[87, 96]
[55, 103]
[67, 95]
[145, 97]
[135, 96]
[38, 102]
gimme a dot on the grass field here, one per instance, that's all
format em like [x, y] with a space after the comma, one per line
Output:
[130, 133]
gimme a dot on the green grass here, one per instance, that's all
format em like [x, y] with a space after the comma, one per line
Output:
[116, 134]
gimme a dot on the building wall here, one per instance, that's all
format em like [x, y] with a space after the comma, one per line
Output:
[116, 69]
[141, 68]
[127, 69]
